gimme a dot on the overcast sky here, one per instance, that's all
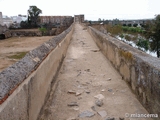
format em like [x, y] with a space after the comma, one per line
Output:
[92, 9]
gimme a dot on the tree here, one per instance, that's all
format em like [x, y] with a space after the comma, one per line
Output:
[115, 22]
[33, 15]
[106, 21]
[154, 34]
[148, 25]
[99, 20]
[143, 44]
[25, 24]
[90, 22]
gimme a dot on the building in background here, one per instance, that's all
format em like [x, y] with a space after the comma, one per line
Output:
[7, 21]
[56, 20]
[79, 18]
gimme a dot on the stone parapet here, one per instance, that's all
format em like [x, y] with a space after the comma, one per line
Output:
[25, 85]
[140, 70]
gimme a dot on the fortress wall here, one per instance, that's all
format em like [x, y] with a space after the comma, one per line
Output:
[25, 86]
[140, 70]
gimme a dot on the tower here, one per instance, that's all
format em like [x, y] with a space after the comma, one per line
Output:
[1, 18]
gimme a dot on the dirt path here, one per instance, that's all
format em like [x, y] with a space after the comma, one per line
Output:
[15, 45]
[87, 73]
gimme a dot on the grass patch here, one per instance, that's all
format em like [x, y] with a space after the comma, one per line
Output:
[18, 55]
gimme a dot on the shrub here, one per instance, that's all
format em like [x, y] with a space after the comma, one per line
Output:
[127, 37]
[121, 36]
[134, 38]
[114, 30]
[132, 29]
[143, 44]
[125, 29]
[43, 30]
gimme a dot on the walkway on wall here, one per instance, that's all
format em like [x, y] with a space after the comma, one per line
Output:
[88, 87]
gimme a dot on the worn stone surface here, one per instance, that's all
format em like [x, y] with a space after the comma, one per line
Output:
[73, 104]
[99, 102]
[72, 91]
[102, 113]
[86, 114]
[78, 60]
[110, 118]
[99, 96]
[137, 68]
[73, 118]
[93, 108]
[110, 90]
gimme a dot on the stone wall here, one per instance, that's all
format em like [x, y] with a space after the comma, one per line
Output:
[140, 70]
[3, 28]
[4, 32]
[79, 18]
[31, 33]
[61, 20]
[25, 33]
[25, 86]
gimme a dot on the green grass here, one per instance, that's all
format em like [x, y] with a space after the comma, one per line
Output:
[18, 55]
[132, 29]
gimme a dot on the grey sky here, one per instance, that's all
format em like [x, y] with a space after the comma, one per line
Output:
[93, 9]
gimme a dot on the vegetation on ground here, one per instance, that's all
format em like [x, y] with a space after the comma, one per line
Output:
[43, 30]
[18, 55]
[132, 29]
[143, 44]
[114, 30]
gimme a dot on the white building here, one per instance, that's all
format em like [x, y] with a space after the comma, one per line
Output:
[18, 19]
[7, 21]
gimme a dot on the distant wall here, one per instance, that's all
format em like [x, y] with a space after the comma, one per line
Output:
[140, 70]
[79, 18]
[37, 32]
[25, 33]
[1, 19]
[61, 20]
[25, 85]
[4, 32]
